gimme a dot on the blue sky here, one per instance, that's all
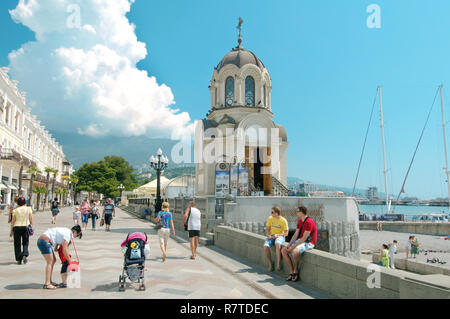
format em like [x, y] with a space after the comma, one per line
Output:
[325, 65]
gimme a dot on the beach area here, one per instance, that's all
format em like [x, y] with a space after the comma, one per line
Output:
[430, 246]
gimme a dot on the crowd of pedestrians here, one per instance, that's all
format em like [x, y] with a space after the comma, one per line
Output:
[57, 239]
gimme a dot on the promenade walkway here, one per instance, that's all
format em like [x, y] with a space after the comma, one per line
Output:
[213, 275]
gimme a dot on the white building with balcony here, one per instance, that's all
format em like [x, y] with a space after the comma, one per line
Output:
[24, 143]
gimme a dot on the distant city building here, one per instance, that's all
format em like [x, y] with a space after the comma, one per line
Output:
[372, 193]
[326, 194]
[307, 188]
[24, 143]
[145, 176]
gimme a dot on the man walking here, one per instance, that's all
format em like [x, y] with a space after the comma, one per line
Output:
[193, 217]
[276, 230]
[109, 211]
[307, 234]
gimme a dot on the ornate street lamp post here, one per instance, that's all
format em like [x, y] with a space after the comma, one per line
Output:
[159, 164]
[121, 188]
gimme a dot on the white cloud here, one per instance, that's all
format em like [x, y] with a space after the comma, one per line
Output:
[85, 78]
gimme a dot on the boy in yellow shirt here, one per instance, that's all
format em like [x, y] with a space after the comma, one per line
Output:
[276, 229]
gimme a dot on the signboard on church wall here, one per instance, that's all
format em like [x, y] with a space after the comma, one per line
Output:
[243, 182]
[234, 180]
[222, 183]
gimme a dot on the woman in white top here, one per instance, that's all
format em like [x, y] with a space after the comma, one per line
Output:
[22, 216]
[193, 216]
[46, 244]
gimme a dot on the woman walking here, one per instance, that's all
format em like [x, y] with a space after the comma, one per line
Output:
[193, 218]
[55, 210]
[46, 244]
[94, 214]
[85, 208]
[166, 218]
[22, 216]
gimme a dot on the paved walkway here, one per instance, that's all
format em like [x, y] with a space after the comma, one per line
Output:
[215, 274]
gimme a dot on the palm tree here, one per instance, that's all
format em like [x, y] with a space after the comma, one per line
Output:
[20, 177]
[39, 190]
[74, 180]
[55, 172]
[33, 171]
[48, 170]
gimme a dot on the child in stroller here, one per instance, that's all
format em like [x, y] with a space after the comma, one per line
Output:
[135, 251]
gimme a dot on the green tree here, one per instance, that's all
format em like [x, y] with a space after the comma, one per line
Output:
[39, 190]
[33, 171]
[48, 170]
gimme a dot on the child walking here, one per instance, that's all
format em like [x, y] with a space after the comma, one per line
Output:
[77, 215]
[392, 252]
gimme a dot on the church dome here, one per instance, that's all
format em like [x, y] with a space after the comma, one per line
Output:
[240, 57]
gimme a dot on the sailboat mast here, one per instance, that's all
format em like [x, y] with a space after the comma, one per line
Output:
[384, 151]
[445, 141]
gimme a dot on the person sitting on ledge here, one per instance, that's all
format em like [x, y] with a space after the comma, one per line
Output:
[276, 230]
[307, 232]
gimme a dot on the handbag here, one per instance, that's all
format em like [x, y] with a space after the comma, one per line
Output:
[30, 229]
[102, 222]
[187, 221]
[159, 224]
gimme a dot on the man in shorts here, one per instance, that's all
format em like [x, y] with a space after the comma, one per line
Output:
[276, 229]
[109, 211]
[307, 234]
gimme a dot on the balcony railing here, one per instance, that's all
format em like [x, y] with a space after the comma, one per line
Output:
[12, 155]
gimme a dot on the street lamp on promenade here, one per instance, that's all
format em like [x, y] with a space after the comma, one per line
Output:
[121, 188]
[159, 164]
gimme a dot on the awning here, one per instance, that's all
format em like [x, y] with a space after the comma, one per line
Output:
[2, 186]
[10, 186]
[17, 187]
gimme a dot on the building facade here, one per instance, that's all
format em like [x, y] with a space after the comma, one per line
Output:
[25, 143]
[372, 193]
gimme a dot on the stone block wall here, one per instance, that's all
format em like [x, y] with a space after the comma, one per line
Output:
[338, 276]
[340, 238]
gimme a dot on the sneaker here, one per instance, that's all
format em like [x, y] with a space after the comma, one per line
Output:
[61, 285]
[24, 260]
[19, 262]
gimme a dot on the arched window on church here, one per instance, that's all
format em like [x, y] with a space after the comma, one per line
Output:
[265, 97]
[249, 91]
[229, 91]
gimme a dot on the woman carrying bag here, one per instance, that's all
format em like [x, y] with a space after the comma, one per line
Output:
[21, 229]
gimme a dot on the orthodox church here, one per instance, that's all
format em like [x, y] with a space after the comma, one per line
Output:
[239, 149]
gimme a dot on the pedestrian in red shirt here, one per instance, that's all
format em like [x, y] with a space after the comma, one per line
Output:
[304, 238]
[64, 266]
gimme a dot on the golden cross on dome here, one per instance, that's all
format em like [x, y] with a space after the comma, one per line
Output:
[239, 27]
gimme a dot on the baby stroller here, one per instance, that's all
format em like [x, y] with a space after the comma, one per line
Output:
[134, 260]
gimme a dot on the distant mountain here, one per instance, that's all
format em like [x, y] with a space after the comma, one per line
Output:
[136, 150]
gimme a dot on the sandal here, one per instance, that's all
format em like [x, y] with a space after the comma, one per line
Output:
[49, 287]
[295, 277]
[289, 278]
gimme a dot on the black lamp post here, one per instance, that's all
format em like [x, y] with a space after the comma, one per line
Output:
[159, 164]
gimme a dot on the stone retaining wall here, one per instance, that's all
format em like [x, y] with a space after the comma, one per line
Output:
[336, 275]
[336, 219]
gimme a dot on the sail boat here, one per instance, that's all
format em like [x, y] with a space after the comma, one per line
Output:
[388, 202]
